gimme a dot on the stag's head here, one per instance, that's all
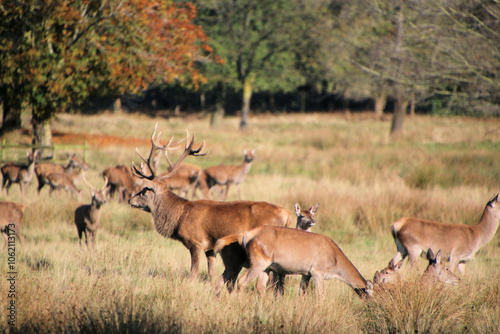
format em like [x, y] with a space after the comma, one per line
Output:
[98, 196]
[493, 208]
[151, 184]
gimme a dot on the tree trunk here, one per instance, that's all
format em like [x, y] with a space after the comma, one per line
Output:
[42, 136]
[399, 116]
[380, 102]
[218, 113]
[11, 118]
[412, 104]
[247, 96]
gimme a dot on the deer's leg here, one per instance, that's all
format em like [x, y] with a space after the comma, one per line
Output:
[238, 189]
[6, 240]
[211, 260]
[234, 258]
[262, 281]
[279, 283]
[256, 269]
[195, 260]
[226, 191]
[318, 283]
[7, 187]
[304, 283]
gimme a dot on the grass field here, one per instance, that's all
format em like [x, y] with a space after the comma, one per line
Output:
[443, 169]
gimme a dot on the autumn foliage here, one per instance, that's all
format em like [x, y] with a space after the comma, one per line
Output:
[55, 53]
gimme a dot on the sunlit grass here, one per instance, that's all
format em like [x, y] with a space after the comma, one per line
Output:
[443, 169]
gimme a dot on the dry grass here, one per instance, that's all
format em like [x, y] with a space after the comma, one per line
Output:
[443, 169]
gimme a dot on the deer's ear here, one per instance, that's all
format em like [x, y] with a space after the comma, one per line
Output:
[314, 208]
[297, 209]
[398, 265]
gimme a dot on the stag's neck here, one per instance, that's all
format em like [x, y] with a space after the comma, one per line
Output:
[486, 228]
[167, 212]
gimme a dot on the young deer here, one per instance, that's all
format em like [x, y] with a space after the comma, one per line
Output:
[224, 175]
[66, 181]
[457, 242]
[11, 215]
[88, 216]
[198, 224]
[305, 218]
[437, 271]
[42, 171]
[291, 251]
[388, 275]
[19, 173]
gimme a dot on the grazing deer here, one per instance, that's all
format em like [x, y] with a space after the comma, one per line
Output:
[388, 275]
[457, 242]
[198, 224]
[66, 181]
[224, 175]
[88, 217]
[11, 215]
[19, 173]
[42, 171]
[305, 218]
[291, 251]
[437, 271]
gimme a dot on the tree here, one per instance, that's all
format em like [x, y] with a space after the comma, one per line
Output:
[57, 53]
[259, 42]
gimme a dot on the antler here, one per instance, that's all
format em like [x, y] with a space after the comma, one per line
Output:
[155, 146]
[187, 151]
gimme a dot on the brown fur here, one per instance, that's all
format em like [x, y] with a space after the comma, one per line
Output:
[458, 242]
[292, 251]
[198, 224]
[225, 175]
[11, 213]
[42, 171]
[436, 271]
[66, 181]
[184, 179]
[121, 182]
[388, 275]
[19, 173]
[88, 217]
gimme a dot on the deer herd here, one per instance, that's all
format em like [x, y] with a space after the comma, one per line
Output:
[255, 235]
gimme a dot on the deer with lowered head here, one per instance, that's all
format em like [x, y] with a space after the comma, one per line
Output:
[11, 215]
[437, 271]
[88, 216]
[198, 224]
[19, 173]
[66, 181]
[458, 242]
[388, 275]
[184, 179]
[225, 175]
[291, 251]
[43, 170]
[120, 182]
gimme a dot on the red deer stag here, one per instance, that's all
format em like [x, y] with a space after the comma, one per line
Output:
[19, 173]
[88, 216]
[43, 170]
[198, 224]
[458, 242]
[290, 251]
[224, 175]
[11, 215]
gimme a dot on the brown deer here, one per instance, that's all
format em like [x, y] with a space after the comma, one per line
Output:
[66, 181]
[305, 218]
[291, 251]
[19, 173]
[88, 216]
[437, 272]
[198, 224]
[388, 275]
[458, 242]
[11, 215]
[43, 170]
[121, 182]
[224, 175]
[184, 179]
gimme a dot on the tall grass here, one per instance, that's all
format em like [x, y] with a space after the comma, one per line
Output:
[443, 169]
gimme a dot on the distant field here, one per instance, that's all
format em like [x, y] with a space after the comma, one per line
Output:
[442, 169]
